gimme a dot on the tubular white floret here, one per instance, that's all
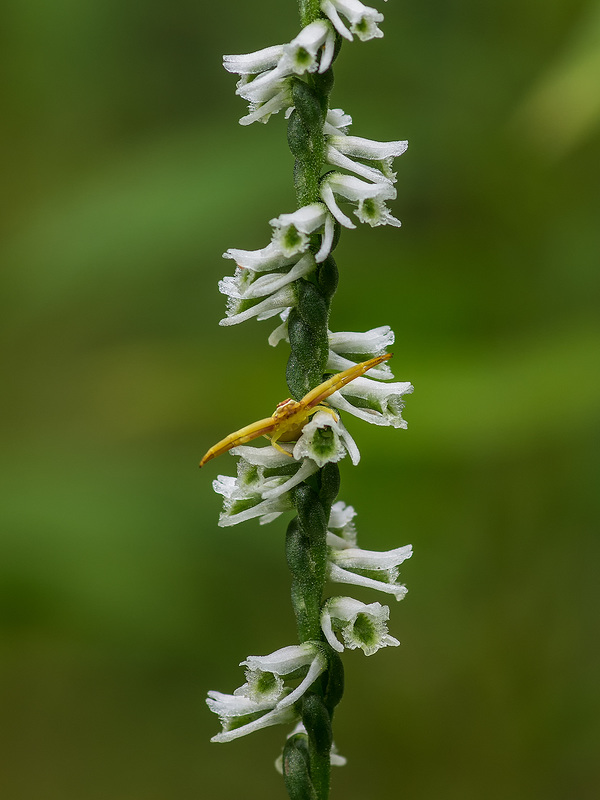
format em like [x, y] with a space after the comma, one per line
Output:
[360, 625]
[363, 19]
[339, 160]
[380, 403]
[341, 530]
[239, 507]
[301, 54]
[254, 63]
[265, 104]
[283, 299]
[265, 74]
[371, 343]
[369, 198]
[291, 231]
[265, 696]
[347, 348]
[281, 333]
[341, 151]
[375, 570]
[325, 440]
[266, 259]
[337, 363]
[261, 488]
[245, 285]
[263, 88]
[233, 724]
[307, 468]
[337, 122]
[357, 147]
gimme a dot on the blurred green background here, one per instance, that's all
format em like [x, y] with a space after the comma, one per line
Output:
[125, 177]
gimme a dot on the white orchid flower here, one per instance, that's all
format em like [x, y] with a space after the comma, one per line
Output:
[378, 403]
[325, 439]
[360, 625]
[363, 19]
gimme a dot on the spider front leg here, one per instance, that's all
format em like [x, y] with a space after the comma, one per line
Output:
[273, 440]
[326, 409]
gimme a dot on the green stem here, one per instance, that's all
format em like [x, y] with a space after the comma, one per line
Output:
[310, 10]
[307, 758]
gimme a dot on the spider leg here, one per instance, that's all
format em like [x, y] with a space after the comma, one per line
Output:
[323, 390]
[246, 434]
[326, 409]
[274, 439]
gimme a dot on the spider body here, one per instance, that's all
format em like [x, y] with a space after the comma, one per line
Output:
[291, 416]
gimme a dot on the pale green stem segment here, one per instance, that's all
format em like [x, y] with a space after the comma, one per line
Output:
[310, 10]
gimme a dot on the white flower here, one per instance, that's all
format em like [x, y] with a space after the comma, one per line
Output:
[357, 147]
[261, 489]
[242, 310]
[375, 570]
[341, 150]
[370, 198]
[262, 88]
[291, 231]
[265, 74]
[361, 625]
[348, 348]
[337, 159]
[374, 342]
[272, 98]
[325, 439]
[240, 716]
[267, 259]
[363, 19]
[300, 55]
[254, 63]
[379, 403]
[245, 284]
[263, 83]
[335, 759]
[341, 530]
[264, 673]
[337, 122]
[281, 333]
[240, 507]
[265, 699]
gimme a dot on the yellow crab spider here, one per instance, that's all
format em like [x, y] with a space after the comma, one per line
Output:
[291, 416]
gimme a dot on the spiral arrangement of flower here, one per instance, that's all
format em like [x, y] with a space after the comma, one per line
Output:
[294, 278]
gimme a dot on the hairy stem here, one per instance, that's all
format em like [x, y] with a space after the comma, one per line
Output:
[307, 758]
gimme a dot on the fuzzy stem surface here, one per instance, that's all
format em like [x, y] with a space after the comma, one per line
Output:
[308, 766]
